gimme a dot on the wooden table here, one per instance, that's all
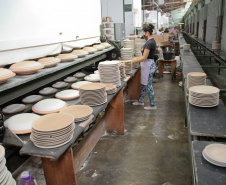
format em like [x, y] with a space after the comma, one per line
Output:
[173, 67]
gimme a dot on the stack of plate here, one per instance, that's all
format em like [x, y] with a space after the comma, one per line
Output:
[48, 106]
[196, 78]
[5, 175]
[109, 73]
[26, 67]
[70, 79]
[21, 123]
[216, 45]
[98, 47]
[96, 72]
[135, 65]
[32, 99]
[93, 78]
[215, 154]
[80, 53]
[126, 53]
[122, 70]
[111, 89]
[138, 44]
[204, 96]
[105, 44]
[53, 130]
[78, 84]
[80, 112]
[47, 91]
[187, 47]
[60, 85]
[79, 75]
[49, 61]
[5, 74]
[13, 108]
[93, 94]
[68, 94]
[90, 50]
[67, 57]
[129, 44]
[128, 66]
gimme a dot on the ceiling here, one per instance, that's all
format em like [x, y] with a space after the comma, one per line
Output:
[168, 7]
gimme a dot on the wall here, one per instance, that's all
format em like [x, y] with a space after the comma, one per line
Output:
[223, 40]
[211, 30]
[195, 21]
[112, 9]
[29, 23]
[201, 23]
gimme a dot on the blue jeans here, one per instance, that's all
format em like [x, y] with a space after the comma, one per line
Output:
[148, 88]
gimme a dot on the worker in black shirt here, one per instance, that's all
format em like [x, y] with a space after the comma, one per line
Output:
[148, 67]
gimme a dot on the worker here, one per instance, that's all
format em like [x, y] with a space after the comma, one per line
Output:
[148, 67]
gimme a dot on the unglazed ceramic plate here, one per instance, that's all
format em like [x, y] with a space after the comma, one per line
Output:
[78, 84]
[67, 57]
[80, 112]
[60, 85]
[80, 53]
[53, 122]
[26, 67]
[48, 91]
[5, 74]
[48, 106]
[32, 99]
[67, 94]
[21, 123]
[90, 49]
[13, 108]
[79, 75]
[49, 61]
[70, 79]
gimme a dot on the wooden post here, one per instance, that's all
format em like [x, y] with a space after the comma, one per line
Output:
[134, 87]
[82, 151]
[114, 117]
[60, 172]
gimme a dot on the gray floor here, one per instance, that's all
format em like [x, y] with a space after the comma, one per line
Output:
[154, 149]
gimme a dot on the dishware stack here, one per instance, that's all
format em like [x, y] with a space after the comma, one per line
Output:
[93, 94]
[128, 66]
[122, 70]
[68, 94]
[5, 74]
[53, 130]
[216, 45]
[204, 96]
[5, 175]
[48, 106]
[129, 44]
[67, 57]
[215, 154]
[196, 78]
[109, 72]
[49, 61]
[26, 67]
[108, 25]
[187, 47]
[126, 53]
[90, 50]
[138, 44]
[105, 44]
[78, 84]
[80, 112]
[93, 78]
[111, 89]
[80, 53]
[135, 65]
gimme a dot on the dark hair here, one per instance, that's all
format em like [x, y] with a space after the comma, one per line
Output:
[148, 28]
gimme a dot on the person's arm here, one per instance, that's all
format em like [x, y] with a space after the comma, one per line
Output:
[143, 58]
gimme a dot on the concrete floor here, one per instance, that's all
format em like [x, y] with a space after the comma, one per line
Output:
[154, 149]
